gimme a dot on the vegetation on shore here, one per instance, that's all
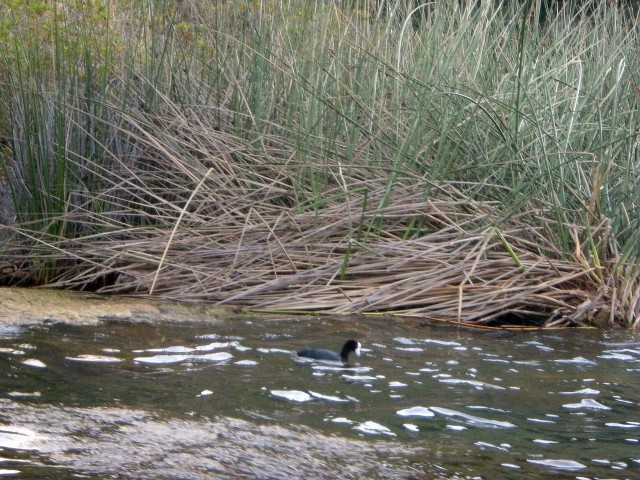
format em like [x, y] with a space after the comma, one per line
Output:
[326, 156]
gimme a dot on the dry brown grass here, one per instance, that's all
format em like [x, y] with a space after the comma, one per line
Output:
[199, 214]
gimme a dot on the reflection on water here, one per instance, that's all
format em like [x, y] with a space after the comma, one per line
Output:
[198, 401]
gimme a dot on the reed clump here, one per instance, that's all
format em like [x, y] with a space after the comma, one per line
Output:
[335, 157]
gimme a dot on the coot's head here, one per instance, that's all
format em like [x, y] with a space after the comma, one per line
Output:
[350, 346]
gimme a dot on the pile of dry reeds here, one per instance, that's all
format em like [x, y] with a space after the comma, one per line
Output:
[198, 214]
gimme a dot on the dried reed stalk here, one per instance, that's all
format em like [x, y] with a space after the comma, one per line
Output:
[218, 219]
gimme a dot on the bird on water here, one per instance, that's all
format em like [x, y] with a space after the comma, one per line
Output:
[323, 354]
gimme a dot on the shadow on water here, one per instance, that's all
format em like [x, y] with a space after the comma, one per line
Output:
[231, 400]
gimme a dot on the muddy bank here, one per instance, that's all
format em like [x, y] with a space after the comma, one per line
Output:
[20, 306]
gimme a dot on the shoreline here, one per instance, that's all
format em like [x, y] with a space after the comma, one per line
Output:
[32, 306]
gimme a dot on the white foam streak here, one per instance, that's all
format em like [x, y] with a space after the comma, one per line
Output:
[472, 419]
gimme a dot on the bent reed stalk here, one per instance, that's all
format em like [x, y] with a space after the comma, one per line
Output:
[323, 156]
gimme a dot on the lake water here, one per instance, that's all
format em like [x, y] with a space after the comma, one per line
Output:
[231, 401]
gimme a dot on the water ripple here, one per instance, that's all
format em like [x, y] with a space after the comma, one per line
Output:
[474, 383]
[168, 359]
[575, 361]
[87, 358]
[373, 428]
[568, 465]
[422, 412]
[471, 419]
[586, 404]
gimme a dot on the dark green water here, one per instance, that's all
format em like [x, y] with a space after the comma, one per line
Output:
[231, 401]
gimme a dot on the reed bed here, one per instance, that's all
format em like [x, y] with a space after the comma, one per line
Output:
[323, 157]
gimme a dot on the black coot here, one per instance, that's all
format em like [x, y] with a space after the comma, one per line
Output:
[322, 354]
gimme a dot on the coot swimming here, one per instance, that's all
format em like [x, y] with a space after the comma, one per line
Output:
[322, 354]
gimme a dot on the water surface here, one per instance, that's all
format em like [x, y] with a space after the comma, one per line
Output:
[231, 400]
